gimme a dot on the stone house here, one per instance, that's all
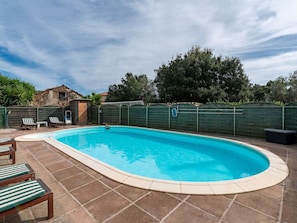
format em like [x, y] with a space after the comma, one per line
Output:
[103, 96]
[58, 96]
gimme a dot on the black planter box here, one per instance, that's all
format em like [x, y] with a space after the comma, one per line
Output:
[285, 137]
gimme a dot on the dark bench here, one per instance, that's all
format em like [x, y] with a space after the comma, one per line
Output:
[285, 137]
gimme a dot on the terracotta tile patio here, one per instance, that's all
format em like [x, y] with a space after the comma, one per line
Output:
[83, 195]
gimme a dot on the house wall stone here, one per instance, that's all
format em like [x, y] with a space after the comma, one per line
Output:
[57, 96]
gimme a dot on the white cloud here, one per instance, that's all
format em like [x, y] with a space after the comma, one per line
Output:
[265, 69]
[89, 45]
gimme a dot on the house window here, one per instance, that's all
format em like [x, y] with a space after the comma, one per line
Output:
[63, 95]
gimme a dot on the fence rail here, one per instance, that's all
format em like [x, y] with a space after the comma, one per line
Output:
[243, 120]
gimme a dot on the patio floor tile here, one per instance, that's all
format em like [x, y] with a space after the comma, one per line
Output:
[89, 191]
[67, 172]
[243, 214]
[289, 213]
[290, 196]
[78, 215]
[130, 192]
[58, 165]
[132, 214]
[76, 181]
[158, 204]
[215, 205]
[64, 204]
[275, 191]
[109, 182]
[260, 202]
[106, 206]
[187, 213]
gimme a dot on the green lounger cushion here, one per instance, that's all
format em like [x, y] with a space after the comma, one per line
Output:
[8, 172]
[6, 139]
[4, 148]
[21, 193]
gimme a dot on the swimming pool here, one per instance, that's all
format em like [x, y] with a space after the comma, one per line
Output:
[166, 155]
[169, 161]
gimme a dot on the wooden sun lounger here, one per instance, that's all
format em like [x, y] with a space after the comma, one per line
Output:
[8, 141]
[16, 173]
[20, 196]
[8, 150]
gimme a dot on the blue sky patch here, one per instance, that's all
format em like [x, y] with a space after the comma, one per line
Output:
[88, 45]
[15, 60]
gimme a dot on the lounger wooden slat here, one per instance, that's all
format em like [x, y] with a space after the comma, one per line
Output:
[23, 195]
[8, 150]
[8, 141]
[16, 173]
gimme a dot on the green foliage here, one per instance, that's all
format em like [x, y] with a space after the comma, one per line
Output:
[278, 89]
[95, 98]
[282, 90]
[292, 87]
[15, 92]
[132, 88]
[200, 76]
[259, 93]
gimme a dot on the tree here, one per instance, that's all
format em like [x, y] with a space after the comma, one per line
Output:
[95, 98]
[132, 88]
[233, 81]
[200, 76]
[277, 90]
[260, 93]
[292, 87]
[282, 89]
[15, 92]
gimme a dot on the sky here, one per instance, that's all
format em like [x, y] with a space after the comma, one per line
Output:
[88, 45]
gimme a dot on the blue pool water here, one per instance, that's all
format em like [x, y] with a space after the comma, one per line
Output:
[165, 155]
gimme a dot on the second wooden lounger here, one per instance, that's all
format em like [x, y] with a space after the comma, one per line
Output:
[15, 173]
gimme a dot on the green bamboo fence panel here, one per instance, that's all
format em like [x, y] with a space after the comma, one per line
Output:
[111, 114]
[125, 115]
[290, 117]
[158, 116]
[216, 118]
[257, 117]
[249, 120]
[44, 112]
[137, 115]
[186, 118]
[2, 117]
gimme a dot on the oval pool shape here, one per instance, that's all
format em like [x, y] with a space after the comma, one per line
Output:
[170, 161]
[166, 156]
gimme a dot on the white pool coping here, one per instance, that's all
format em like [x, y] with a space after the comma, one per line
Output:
[274, 174]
